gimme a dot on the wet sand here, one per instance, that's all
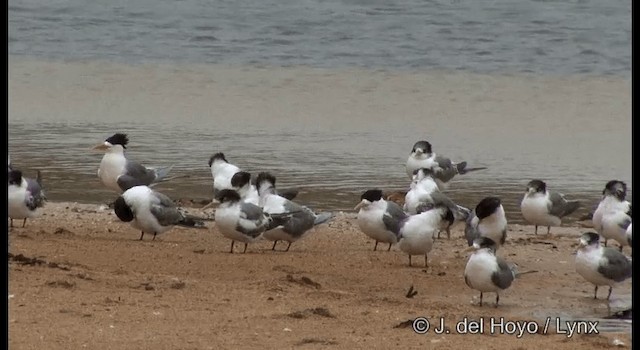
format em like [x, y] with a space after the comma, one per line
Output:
[79, 278]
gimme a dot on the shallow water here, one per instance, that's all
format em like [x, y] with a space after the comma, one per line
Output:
[330, 133]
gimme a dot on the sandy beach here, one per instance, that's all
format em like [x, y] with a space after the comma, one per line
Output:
[79, 278]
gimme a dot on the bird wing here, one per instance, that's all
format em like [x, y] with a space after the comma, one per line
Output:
[37, 197]
[165, 210]
[559, 206]
[504, 276]
[252, 220]
[445, 170]
[393, 217]
[614, 265]
[135, 174]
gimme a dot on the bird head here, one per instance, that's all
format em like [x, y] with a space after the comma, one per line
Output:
[421, 147]
[240, 179]
[117, 142]
[536, 186]
[615, 188]
[265, 182]
[122, 210]
[228, 196]
[368, 197]
[487, 206]
[217, 157]
[588, 239]
[15, 177]
[483, 243]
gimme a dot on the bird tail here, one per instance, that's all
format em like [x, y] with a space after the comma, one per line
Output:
[571, 207]
[193, 222]
[288, 194]
[462, 168]
[161, 173]
[321, 218]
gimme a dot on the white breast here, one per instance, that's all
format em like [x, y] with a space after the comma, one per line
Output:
[534, 208]
[111, 167]
[371, 224]
[479, 270]
[17, 208]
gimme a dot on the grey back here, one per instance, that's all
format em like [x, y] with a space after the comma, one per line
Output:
[394, 217]
[615, 266]
[560, 207]
[504, 276]
[165, 210]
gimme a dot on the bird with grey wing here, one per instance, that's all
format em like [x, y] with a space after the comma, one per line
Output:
[541, 207]
[297, 220]
[378, 218]
[25, 196]
[119, 173]
[486, 272]
[422, 156]
[228, 176]
[242, 221]
[152, 212]
[417, 231]
[612, 217]
[601, 266]
[488, 219]
[424, 190]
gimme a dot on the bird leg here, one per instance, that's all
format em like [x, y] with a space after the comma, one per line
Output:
[154, 236]
[409, 259]
[389, 247]
[480, 298]
[11, 222]
[536, 231]
[245, 248]
[438, 234]
[286, 250]
[548, 229]
[620, 249]
[426, 264]
[141, 234]
[609, 295]
[605, 242]
[448, 233]
[24, 222]
[232, 242]
[595, 294]
[274, 245]
[497, 299]
[375, 246]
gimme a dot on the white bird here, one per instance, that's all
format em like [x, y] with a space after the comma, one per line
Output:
[424, 190]
[297, 221]
[602, 266]
[25, 196]
[151, 212]
[487, 220]
[222, 171]
[444, 169]
[118, 173]
[545, 208]
[486, 272]
[241, 183]
[416, 232]
[240, 221]
[613, 214]
[378, 218]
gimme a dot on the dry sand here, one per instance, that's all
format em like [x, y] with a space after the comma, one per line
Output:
[88, 282]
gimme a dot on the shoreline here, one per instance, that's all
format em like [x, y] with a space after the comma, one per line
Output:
[98, 285]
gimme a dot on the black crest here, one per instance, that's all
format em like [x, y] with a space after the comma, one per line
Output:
[119, 139]
[425, 146]
[265, 177]
[227, 195]
[616, 188]
[217, 156]
[15, 177]
[372, 195]
[591, 237]
[240, 179]
[487, 206]
[123, 212]
[538, 185]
